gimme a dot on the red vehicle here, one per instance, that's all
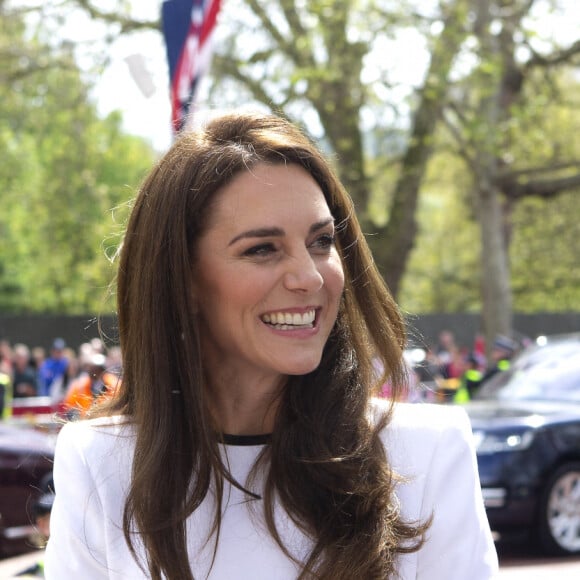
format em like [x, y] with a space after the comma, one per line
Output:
[26, 460]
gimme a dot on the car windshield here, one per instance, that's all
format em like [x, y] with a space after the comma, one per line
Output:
[549, 373]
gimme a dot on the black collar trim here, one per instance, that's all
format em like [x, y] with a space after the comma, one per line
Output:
[246, 440]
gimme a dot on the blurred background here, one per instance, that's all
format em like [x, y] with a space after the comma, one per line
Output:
[454, 124]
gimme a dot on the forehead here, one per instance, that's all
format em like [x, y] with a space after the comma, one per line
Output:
[269, 192]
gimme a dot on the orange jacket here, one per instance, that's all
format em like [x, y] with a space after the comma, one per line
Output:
[79, 396]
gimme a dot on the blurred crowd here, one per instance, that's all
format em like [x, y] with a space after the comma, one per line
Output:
[457, 371]
[447, 372]
[66, 376]
[444, 372]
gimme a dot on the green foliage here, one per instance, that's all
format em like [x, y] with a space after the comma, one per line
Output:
[542, 141]
[443, 274]
[546, 231]
[544, 253]
[66, 178]
[292, 57]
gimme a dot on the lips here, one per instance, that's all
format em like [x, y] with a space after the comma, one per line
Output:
[290, 320]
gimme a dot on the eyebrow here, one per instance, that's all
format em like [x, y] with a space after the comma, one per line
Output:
[277, 232]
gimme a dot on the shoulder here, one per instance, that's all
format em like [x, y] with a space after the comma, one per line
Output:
[95, 455]
[430, 449]
[421, 417]
[416, 432]
[99, 427]
[104, 436]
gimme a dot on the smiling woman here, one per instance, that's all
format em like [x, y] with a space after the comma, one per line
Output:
[244, 441]
[269, 285]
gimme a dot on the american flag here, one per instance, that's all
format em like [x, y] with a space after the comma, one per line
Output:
[187, 28]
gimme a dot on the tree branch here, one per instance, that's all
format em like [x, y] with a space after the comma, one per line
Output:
[287, 47]
[555, 58]
[545, 188]
[127, 23]
[229, 67]
[464, 145]
[507, 175]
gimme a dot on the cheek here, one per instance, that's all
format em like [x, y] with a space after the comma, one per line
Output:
[335, 277]
[231, 292]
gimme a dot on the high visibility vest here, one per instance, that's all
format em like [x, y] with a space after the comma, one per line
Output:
[6, 388]
[462, 394]
[503, 365]
[473, 375]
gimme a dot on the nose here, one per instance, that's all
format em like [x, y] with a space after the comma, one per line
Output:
[302, 274]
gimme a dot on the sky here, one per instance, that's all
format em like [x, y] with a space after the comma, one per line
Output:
[149, 116]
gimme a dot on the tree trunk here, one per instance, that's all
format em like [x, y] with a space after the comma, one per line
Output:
[497, 308]
[394, 242]
[497, 312]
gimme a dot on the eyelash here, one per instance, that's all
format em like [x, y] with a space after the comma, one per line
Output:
[324, 241]
[259, 250]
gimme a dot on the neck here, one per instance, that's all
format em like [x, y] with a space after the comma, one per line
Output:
[239, 410]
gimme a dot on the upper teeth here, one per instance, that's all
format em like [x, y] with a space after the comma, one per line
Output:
[289, 318]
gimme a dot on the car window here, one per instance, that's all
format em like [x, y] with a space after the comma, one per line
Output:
[552, 375]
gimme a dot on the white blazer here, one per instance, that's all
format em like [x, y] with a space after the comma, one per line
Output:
[430, 446]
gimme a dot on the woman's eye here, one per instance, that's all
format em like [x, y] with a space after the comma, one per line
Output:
[325, 241]
[260, 250]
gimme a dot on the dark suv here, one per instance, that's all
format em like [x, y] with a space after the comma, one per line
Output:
[526, 423]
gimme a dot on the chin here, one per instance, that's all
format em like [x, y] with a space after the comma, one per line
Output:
[302, 368]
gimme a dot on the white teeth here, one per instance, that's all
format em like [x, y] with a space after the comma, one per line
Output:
[288, 320]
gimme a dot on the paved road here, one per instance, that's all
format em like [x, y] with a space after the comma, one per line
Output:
[538, 569]
[518, 562]
[515, 564]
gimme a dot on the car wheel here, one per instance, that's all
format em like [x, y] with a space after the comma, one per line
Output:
[559, 515]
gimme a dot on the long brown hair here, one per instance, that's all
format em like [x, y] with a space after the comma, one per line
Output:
[326, 464]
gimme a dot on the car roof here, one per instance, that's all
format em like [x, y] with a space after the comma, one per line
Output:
[554, 349]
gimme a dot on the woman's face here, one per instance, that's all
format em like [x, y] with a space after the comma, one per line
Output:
[268, 277]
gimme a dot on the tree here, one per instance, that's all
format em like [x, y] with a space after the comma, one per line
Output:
[485, 119]
[307, 61]
[444, 273]
[314, 54]
[64, 172]
[310, 61]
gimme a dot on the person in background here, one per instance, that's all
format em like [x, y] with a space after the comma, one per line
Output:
[445, 349]
[73, 369]
[24, 375]
[5, 395]
[245, 441]
[52, 372]
[473, 374]
[38, 357]
[41, 511]
[94, 382]
[503, 351]
[470, 381]
[6, 356]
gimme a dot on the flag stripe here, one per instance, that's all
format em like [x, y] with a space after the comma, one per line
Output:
[186, 65]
